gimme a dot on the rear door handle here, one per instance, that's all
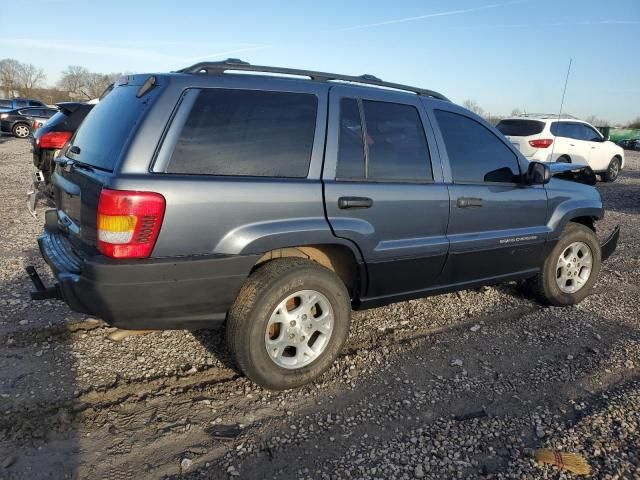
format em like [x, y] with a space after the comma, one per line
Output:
[467, 202]
[354, 202]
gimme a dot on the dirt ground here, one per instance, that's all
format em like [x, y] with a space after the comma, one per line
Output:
[461, 385]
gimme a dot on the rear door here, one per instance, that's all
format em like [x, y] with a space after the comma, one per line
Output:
[599, 154]
[383, 188]
[497, 224]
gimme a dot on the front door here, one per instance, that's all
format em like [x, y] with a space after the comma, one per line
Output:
[383, 188]
[497, 226]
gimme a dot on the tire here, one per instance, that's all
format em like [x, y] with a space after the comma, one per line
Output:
[563, 159]
[265, 353]
[613, 170]
[21, 130]
[546, 285]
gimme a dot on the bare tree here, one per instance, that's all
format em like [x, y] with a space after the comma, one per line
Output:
[9, 76]
[29, 78]
[597, 122]
[74, 80]
[83, 84]
[634, 123]
[473, 106]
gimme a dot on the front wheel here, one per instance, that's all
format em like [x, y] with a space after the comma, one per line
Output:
[613, 170]
[289, 322]
[571, 269]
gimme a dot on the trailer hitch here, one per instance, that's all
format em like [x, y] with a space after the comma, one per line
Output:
[41, 292]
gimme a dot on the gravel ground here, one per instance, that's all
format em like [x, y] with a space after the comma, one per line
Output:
[462, 385]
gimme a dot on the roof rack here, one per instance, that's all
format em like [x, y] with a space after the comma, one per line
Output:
[548, 115]
[237, 64]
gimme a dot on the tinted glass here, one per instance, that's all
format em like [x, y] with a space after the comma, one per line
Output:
[475, 153]
[351, 146]
[396, 145]
[35, 103]
[49, 112]
[568, 130]
[590, 134]
[6, 103]
[105, 131]
[520, 128]
[21, 103]
[246, 132]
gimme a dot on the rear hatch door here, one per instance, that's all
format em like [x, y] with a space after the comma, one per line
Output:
[91, 160]
[520, 132]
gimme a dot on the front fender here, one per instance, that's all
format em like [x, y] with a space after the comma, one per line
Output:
[567, 211]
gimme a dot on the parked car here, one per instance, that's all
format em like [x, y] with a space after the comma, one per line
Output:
[16, 103]
[49, 139]
[19, 122]
[547, 138]
[280, 204]
[630, 144]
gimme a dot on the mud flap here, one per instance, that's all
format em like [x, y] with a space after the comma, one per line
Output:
[609, 245]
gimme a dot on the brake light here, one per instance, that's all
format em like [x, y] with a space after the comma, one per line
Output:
[541, 143]
[129, 222]
[55, 140]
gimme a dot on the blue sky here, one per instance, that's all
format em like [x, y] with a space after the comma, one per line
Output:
[502, 54]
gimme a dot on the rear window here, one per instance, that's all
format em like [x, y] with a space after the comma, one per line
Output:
[520, 128]
[106, 129]
[6, 103]
[246, 133]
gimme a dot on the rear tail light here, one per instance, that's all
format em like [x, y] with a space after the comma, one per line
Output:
[129, 222]
[55, 140]
[541, 143]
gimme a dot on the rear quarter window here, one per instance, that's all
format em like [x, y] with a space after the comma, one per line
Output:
[520, 128]
[247, 133]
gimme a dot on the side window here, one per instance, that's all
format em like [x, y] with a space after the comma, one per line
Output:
[35, 103]
[350, 144]
[396, 145]
[21, 103]
[475, 153]
[247, 132]
[559, 129]
[590, 134]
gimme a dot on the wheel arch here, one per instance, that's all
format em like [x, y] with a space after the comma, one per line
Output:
[337, 257]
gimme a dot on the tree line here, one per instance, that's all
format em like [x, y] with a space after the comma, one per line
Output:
[19, 79]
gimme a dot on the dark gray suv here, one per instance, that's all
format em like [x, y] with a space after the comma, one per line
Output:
[278, 204]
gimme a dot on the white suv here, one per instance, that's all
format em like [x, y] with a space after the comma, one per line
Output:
[552, 139]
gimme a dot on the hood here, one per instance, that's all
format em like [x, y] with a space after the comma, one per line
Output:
[573, 172]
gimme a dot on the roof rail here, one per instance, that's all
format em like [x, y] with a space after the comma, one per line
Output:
[548, 115]
[237, 64]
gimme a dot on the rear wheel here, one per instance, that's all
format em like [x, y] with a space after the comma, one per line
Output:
[21, 130]
[613, 170]
[571, 269]
[289, 323]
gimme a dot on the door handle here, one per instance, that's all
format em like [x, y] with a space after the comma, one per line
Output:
[354, 202]
[572, 145]
[467, 202]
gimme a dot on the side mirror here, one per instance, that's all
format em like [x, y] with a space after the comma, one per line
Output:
[538, 173]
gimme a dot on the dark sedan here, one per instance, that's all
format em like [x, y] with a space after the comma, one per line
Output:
[19, 121]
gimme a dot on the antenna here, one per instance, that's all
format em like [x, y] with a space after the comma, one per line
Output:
[564, 91]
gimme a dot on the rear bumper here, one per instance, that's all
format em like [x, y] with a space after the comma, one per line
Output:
[186, 292]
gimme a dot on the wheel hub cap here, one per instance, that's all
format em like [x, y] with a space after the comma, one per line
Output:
[299, 329]
[573, 268]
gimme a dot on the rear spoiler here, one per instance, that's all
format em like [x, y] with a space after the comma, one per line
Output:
[575, 173]
[69, 107]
